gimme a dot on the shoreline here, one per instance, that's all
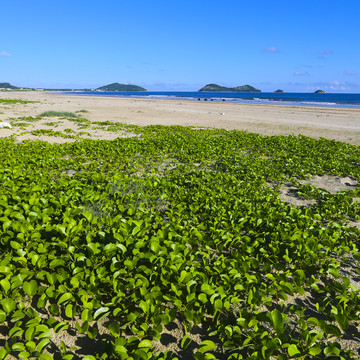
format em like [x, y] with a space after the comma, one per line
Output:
[341, 124]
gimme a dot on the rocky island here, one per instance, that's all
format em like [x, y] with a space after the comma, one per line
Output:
[218, 88]
[6, 85]
[319, 92]
[120, 87]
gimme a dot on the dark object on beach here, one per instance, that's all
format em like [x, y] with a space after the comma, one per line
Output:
[199, 99]
[205, 99]
[223, 99]
[211, 99]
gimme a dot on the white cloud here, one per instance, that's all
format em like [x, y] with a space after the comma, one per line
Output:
[298, 73]
[4, 53]
[272, 49]
[326, 52]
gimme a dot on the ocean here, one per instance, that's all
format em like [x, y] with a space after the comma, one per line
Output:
[299, 99]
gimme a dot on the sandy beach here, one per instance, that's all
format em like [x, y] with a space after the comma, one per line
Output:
[333, 123]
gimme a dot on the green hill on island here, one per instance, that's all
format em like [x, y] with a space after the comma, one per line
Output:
[121, 87]
[6, 85]
[218, 88]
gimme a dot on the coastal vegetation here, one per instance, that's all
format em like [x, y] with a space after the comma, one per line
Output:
[121, 87]
[58, 114]
[15, 101]
[177, 243]
[218, 88]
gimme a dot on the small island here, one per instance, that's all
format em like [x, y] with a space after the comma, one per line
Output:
[218, 88]
[120, 87]
[279, 91]
[319, 92]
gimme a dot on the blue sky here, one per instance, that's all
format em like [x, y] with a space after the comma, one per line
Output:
[297, 46]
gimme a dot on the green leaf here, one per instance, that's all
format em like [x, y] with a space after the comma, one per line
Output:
[185, 342]
[8, 305]
[121, 351]
[207, 289]
[18, 346]
[65, 297]
[145, 344]
[277, 321]
[16, 331]
[331, 349]
[206, 345]
[342, 320]
[330, 329]
[43, 330]
[45, 357]
[203, 298]
[68, 357]
[3, 353]
[56, 263]
[43, 344]
[315, 350]
[334, 272]
[69, 310]
[313, 321]
[86, 315]
[140, 354]
[62, 325]
[5, 270]
[99, 313]
[54, 309]
[184, 277]
[30, 287]
[155, 247]
[114, 328]
[218, 304]
[144, 306]
[24, 355]
[293, 350]
[2, 316]
[29, 333]
[5, 284]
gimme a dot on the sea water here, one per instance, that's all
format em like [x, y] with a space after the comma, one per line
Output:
[299, 99]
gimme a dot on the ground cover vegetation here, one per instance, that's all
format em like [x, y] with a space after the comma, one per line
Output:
[176, 244]
[15, 101]
[55, 118]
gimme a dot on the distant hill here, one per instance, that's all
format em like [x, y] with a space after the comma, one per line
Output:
[121, 87]
[218, 88]
[7, 85]
[320, 92]
[278, 91]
